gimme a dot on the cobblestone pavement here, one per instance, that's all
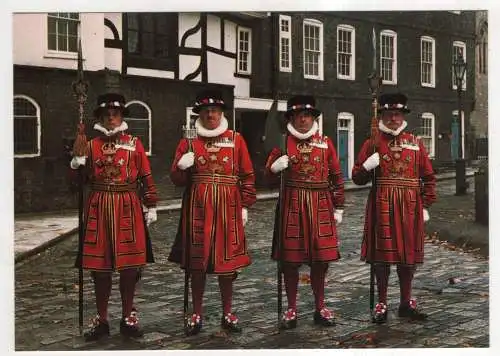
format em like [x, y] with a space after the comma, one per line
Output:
[452, 286]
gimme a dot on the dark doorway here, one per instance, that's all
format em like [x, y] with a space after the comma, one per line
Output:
[251, 125]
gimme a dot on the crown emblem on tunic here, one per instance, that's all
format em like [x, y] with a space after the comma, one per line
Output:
[304, 147]
[108, 148]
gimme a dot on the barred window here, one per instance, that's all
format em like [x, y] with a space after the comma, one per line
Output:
[139, 122]
[63, 31]
[26, 127]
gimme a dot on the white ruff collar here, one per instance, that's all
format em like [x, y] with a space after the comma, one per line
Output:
[123, 127]
[302, 136]
[387, 130]
[201, 131]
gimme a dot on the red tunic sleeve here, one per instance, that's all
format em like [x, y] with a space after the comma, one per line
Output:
[335, 176]
[144, 169]
[246, 174]
[360, 176]
[426, 173]
[178, 176]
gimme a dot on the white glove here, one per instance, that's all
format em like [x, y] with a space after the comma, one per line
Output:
[77, 161]
[244, 215]
[186, 161]
[372, 162]
[337, 215]
[426, 215]
[150, 215]
[280, 164]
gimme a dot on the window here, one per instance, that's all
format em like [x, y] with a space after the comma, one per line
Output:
[313, 49]
[427, 62]
[244, 50]
[148, 34]
[63, 31]
[427, 132]
[346, 52]
[285, 43]
[388, 57]
[139, 122]
[458, 47]
[27, 129]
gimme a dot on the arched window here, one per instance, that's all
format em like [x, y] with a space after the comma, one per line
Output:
[27, 127]
[139, 122]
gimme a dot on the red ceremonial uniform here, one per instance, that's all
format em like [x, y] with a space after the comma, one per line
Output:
[219, 185]
[314, 188]
[115, 232]
[405, 185]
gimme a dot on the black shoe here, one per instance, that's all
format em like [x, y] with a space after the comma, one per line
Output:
[409, 310]
[380, 313]
[129, 326]
[98, 329]
[230, 322]
[324, 317]
[289, 320]
[193, 325]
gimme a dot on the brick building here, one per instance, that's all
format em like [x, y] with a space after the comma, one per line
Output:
[160, 60]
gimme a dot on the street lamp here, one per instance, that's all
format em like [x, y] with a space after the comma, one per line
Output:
[459, 67]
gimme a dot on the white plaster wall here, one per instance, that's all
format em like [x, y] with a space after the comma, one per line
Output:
[221, 70]
[187, 21]
[213, 31]
[230, 36]
[30, 42]
[187, 65]
[116, 19]
[113, 58]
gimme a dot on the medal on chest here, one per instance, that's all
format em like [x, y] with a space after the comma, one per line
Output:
[215, 159]
[305, 166]
[398, 167]
[111, 168]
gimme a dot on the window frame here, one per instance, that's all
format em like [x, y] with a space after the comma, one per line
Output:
[352, 61]
[432, 117]
[247, 30]
[319, 24]
[394, 69]
[38, 129]
[149, 119]
[285, 35]
[458, 44]
[432, 83]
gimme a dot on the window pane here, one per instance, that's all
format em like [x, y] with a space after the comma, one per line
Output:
[73, 28]
[25, 135]
[133, 41]
[133, 21]
[52, 42]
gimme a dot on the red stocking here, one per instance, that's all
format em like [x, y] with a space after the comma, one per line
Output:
[226, 292]
[291, 277]
[102, 287]
[128, 281]
[405, 274]
[197, 290]
[382, 272]
[318, 273]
